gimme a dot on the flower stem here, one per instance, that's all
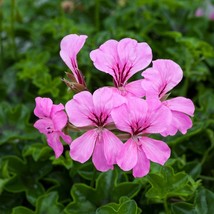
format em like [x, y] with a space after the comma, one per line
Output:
[97, 15]
[13, 43]
[166, 206]
[1, 40]
[93, 178]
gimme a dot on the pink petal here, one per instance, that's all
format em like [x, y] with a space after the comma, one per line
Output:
[82, 147]
[133, 56]
[119, 116]
[162, 77]
[170, 73]
[121, 59]
[80, 108]
[211, 15]
[181, 104]
[98, 157]
[139, 110]
[54, 142]
[112, 145]
[127, 157]
[180, 121]
[43, 107]
[59, 120]
[199, 12]
[66, 138]
[158, 119]
[142, 166]
[57, 108]
[130, 121]
[44, 125]
[105, 99]
[105, 58]
[155, 150]
[70, 47]
[135, 89]
[152, 83]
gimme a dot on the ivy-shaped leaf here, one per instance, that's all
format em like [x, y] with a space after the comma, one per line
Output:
[183, 208]
[168, 184]
[9, 200]
[87, 170]
[47, 204]
[37, 151]
[125, 206]
[10, 117]
[204, 202]
[61, 182]
[22, 210]
[87, 199]
[25, 176]
[65, 161]
[4, 176]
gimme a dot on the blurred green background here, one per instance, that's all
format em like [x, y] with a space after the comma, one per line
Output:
[31, 179]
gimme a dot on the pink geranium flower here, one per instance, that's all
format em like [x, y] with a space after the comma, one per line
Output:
[122, 60]
[138, 119]
[52, 119]
[158, 81]
[70, 47]
[207, 10]
[93, 112]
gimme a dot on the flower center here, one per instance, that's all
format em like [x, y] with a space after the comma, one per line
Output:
[137, 129]
[49, 130]
[121, 75]
[99, 120]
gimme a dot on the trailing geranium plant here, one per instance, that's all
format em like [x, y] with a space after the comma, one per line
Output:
[117, 120]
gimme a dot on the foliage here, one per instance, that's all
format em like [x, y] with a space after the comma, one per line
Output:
[32, 181]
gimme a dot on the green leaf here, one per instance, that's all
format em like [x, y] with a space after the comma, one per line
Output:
[167, 184]
[4, 176]
[22, 210]
[183, 208]
[25, 176]
[87, 171]
[14, 123]
[193, 168]
[125, 206]
[206, 100]
[204, 201]
[87, 199]
[37, 151]
[66, 161]
[10, 200]
[47, 204]
[60, 182]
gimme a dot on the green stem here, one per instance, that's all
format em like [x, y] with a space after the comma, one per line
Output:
[93, 178]
[166, 206]
[13, 43]
[208, 178]
[97, 15]
[1, 40]
[185, 87]
[207, 152]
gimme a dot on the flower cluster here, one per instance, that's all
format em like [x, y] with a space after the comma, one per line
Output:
[206, 10]
[117, 121]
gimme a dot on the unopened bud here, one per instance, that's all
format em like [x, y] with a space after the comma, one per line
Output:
[70, 77]
[123, 136]
[164, 97]
[74, 86]
[121, 2]
[67, 6]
